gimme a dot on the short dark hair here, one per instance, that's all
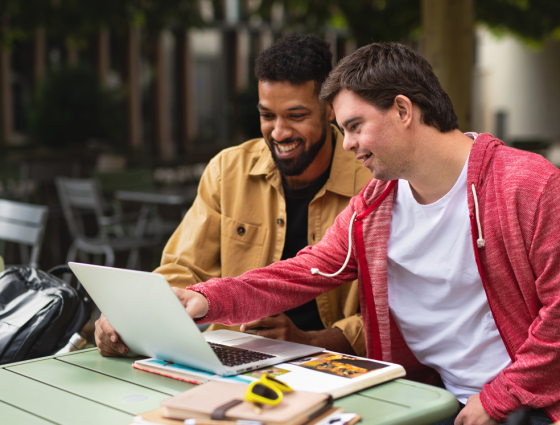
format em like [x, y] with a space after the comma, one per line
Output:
[295, 58]
[379, 72]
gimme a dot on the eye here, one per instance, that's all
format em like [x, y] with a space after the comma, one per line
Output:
[297, 116]
[266, 115]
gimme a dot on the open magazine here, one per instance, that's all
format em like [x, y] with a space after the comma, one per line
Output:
[327, 372]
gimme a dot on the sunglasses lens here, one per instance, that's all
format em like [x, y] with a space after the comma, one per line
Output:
[265, 392]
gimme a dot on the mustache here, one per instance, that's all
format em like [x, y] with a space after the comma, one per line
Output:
[287, 140]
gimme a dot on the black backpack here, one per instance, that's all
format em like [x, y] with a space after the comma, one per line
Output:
[38, 312]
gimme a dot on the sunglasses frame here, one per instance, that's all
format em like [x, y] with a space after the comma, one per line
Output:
[270, 383]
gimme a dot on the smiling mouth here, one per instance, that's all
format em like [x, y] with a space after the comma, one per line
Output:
[286, 147]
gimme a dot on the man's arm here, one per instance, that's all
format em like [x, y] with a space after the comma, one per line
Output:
[196, 305]
[331, 339]
[531, 380]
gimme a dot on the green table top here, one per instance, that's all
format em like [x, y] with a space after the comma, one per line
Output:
[85, 388]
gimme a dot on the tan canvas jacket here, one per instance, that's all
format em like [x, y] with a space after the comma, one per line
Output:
[238, 223]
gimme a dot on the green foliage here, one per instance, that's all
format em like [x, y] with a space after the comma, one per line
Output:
[372, 21]
[396, 20]
[71, 108]
[532, 20]
[366, 20]
[76, 20]
[17, 19]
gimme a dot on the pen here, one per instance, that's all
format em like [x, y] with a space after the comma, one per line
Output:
[211, 422]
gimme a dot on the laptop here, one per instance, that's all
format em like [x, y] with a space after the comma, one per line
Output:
[151, 321]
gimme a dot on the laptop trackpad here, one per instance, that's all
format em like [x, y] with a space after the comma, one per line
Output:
[263, 345]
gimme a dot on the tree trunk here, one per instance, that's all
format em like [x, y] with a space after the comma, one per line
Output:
[183, 79]
[242, 67]
[6, 104]
[448, 45]
[163, 122]
[103, 56]
[134, 113]
[39, 49]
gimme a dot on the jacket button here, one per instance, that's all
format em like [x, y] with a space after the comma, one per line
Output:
[280, 222]
[241, 230]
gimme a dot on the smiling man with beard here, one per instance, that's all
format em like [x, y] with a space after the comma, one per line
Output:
[268, 198]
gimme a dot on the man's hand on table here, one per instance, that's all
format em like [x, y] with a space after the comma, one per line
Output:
[107, 340]
[474, 414]
[281, 327]
[110, 345]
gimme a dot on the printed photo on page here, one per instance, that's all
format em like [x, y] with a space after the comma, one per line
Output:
[339, 364]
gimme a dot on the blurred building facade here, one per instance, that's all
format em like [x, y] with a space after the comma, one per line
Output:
[516, 93]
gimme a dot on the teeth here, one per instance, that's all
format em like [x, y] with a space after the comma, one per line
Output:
[287, 148]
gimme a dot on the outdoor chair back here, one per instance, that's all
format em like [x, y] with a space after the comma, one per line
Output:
[23, 224]
[80, 196]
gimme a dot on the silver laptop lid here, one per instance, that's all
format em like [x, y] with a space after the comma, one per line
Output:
[147, 315]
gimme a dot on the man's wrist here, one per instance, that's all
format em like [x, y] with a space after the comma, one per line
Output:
[331, 339]
[311, 338]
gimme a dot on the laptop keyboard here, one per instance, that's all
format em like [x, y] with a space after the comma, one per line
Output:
[231, 356]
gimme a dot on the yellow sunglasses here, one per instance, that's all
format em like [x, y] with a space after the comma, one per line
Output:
[267, 390]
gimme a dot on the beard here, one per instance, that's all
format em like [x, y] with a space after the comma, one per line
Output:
[296, 166]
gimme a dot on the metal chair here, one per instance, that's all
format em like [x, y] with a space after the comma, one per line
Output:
[79, 196]
[23, 224]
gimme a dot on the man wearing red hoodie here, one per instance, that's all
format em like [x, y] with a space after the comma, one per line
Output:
[455, 244]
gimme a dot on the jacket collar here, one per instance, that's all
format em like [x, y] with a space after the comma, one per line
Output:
[343, 168]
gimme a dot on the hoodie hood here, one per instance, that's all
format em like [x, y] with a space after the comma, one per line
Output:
[480, 158]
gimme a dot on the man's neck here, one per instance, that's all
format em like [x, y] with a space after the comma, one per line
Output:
[318, 166]
[440, 160]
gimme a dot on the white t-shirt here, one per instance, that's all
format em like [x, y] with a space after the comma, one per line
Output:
[435, 292]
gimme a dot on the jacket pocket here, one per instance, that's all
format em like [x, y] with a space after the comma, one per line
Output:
[242, 246]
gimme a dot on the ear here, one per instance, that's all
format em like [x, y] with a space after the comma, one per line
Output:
[329, 112]
[403, 105]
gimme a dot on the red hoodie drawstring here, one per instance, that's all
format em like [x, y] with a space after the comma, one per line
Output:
[316, 271]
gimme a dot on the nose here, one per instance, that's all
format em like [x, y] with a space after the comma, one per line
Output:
[349, 143]
[282, 130]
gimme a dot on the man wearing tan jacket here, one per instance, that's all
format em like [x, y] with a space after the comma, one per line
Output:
[268, 198]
